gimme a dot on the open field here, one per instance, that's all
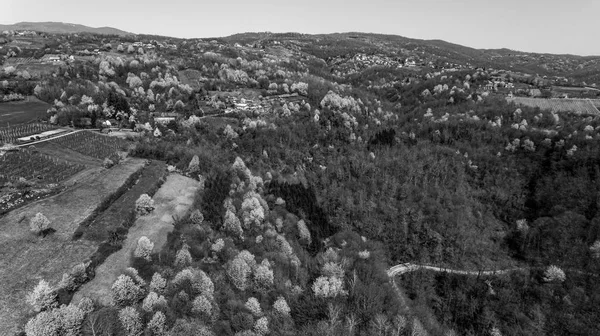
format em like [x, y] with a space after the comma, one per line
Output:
[173, 199]
[27, 258]
[577, 106]
[19, 112]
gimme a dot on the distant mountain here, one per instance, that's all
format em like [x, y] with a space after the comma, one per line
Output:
[63, 28]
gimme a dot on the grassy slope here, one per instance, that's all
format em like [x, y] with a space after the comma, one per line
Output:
[173, 199]
[25, 259]
[22, 111]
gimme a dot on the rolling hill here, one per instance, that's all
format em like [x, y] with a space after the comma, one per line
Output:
[63, 28]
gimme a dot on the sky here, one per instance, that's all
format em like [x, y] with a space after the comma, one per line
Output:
[547, 26]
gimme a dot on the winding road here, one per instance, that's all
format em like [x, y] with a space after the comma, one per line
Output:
[408, 267]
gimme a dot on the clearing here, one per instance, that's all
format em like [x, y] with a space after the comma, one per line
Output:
[19, 112]
[173, 200]
[25, 258]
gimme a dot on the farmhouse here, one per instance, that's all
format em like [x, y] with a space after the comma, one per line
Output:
[165, 117]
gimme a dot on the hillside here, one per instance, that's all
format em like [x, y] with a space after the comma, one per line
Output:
[321, 161]
[63, 28]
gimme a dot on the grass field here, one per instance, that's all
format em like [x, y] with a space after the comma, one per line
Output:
[120, 213]
[27, 258]
[173, 199]
[19, 112]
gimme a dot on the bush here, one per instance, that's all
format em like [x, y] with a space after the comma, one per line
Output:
[39, 223]
[144, 205]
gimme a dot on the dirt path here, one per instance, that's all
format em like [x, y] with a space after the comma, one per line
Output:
[25, 258]
[173, 199]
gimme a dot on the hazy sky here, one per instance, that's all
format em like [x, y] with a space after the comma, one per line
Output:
[528, 25]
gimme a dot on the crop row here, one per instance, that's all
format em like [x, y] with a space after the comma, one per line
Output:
[11, 133]
[33, 165]
[92, 144]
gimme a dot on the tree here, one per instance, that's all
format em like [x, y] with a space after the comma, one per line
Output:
[144, 205]
[130, 49]
[39, 223]
[158, 283]
[183, 257]
[238, 271]
[144, 248]
[42, 297]
[153, 301]
[232, 225]
[261, 326]
[303, 232]
[202, 305]
[126, 291]
[157, 324]
[63, 321]
[281, 306]
[131, 321]
[263, 275]
[554, 274]
[194, 165]
[253, 306]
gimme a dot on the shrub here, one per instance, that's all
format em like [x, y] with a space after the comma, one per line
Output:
[107, 163]
[42, 297]
[131, 322]
[72, 280]
[595, 249]
[144, 248]
[197, 217]
[144, 205]
[186, 328]
[125, 291]
[39, 223]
